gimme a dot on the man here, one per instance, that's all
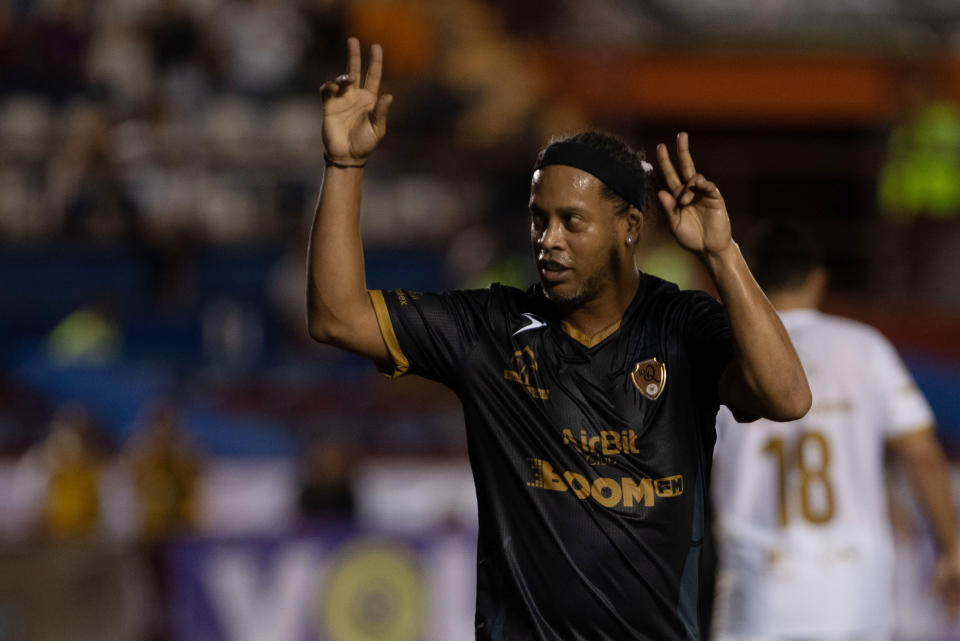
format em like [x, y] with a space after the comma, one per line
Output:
[589, 399]
[802, 525]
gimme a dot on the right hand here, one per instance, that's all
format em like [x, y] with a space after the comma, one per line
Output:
[355, 117]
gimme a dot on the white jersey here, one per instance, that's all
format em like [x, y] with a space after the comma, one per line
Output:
[800, 508]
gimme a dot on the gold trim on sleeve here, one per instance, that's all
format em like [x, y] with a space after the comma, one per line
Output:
[400, 362]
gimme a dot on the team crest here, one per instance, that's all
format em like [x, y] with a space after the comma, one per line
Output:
[649, 377]
[523, 369]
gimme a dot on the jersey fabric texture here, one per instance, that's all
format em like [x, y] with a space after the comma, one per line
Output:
[801, 516]
[592, 494]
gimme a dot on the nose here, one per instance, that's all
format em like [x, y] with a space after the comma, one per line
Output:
[552, 236]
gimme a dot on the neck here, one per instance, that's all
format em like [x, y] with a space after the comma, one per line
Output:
[598, 314]
[782, 301]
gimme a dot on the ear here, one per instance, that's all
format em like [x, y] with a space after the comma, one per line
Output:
[634, 223]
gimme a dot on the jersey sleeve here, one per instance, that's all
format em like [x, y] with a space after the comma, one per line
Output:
[709, 338]
[429, 334]
[903, 408]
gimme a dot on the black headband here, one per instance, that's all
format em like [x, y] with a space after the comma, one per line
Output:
[614, 174]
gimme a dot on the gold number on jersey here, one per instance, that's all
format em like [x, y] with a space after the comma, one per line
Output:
[813, 474]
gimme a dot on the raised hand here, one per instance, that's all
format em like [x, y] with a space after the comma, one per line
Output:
[697, 213]
[355, 116]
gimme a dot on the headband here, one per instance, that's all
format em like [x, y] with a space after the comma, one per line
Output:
[621, 179]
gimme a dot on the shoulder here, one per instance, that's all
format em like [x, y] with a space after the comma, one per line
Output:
[663, 292]
[850, 331]
[494, 298]
[681, 305]
[495, 307]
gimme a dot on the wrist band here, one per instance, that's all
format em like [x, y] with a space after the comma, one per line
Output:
[332, 163]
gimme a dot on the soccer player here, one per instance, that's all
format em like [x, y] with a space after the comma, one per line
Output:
[589, 399]
[803, 533]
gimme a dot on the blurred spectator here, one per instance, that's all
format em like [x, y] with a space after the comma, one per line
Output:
[84, 188]
[327, 485]
[262, 42]
[73, 463]
[165, 467]
[120, 62]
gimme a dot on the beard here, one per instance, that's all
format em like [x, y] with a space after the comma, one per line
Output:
[601, 278]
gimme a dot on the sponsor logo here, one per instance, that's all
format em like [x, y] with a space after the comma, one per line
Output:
[609, 492]
[533, 322]
[402, 296]
[599, 448]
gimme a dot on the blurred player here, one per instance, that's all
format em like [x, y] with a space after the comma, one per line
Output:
[590, 399]
[802, 526]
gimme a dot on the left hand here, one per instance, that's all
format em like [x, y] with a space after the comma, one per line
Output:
[697, 213]
[946, 580]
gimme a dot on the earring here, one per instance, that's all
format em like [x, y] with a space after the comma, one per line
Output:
[629, 240]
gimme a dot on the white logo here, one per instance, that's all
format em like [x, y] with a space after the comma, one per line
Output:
[535, 323]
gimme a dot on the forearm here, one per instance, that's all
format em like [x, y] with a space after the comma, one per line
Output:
[336, 284]
[766, 364]
[929, 477]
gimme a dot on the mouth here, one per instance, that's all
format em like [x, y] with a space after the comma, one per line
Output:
[551, 271]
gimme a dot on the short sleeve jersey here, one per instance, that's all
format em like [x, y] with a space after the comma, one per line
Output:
[801, 512]
[591, 457]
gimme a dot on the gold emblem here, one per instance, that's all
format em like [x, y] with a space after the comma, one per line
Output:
[523, 367]
[649, 377]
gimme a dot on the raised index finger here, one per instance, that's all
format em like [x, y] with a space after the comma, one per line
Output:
[684, 157]
[674, 183]
[353, 66]
[375, 70]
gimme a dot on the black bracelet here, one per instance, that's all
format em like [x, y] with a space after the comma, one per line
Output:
[332, 163]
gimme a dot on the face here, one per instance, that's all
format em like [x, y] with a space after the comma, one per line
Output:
[576, 235]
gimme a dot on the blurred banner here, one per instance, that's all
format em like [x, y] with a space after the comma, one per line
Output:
[337, 584]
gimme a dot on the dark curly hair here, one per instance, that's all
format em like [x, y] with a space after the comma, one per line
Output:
[782, 254]
[621, 151]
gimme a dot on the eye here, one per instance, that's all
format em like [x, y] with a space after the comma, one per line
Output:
[573, 221]
[537, 220]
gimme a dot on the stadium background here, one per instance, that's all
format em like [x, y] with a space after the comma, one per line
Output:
[180, 462]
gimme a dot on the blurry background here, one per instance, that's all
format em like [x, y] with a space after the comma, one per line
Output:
[179, 461]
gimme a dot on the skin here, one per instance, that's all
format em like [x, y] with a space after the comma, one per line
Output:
[920, 454]
[764, 379]
[574, 227]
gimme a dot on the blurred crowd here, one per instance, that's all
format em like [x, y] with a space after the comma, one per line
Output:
[159, 162]
[157, 122]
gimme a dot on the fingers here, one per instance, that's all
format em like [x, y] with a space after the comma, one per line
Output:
[379, 117]
[335, 87]
[375, 71]
[667, 201]
[698, 186]
[666, 166]
[353, 66]
[328, 90]
[687, 169]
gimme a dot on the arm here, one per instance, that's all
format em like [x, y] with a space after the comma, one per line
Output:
[339, 311]
[765, 378]
[926, 468]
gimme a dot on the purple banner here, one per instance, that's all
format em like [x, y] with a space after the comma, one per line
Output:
[335, 584]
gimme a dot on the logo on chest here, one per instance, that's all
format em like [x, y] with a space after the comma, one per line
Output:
[523, 369]
[649, 377]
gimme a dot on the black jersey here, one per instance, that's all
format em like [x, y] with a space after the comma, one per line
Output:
[591, 462]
